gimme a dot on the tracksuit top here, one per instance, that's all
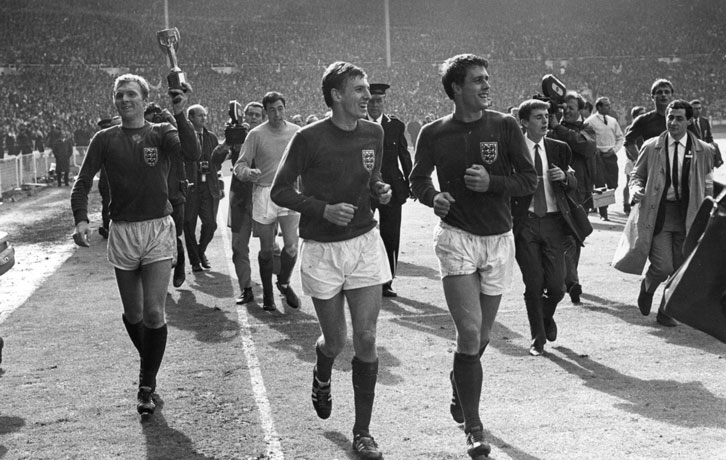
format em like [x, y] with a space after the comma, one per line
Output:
[451, 146]
[334, 166]
[137, 163]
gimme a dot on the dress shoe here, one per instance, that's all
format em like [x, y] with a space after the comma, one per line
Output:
[197, 268]
[536, 350]
[665, 320]
[388, 291]
[605, 218]
[626, 210]
[645, 300]
[178, 277]
[246, 297]
[550, 329]
[205, 262]
[575, 292]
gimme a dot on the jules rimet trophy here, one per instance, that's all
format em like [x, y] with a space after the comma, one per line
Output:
[169, 42]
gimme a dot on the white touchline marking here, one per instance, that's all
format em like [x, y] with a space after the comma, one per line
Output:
[272, 439]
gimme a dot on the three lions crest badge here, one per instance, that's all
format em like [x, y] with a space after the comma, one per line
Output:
[489, 152]
[369, 159]
[151, 156]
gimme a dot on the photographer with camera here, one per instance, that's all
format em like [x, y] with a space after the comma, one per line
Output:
[203, 198]
[240, 193]
[581, 139]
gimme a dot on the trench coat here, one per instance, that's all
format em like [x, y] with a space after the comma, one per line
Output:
[650, 172]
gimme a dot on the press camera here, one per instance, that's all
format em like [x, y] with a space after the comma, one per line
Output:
[236, 130]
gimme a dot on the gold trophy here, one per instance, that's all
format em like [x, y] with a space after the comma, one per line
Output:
[169, 42]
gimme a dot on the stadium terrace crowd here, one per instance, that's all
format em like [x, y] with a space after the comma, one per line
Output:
[279, 45]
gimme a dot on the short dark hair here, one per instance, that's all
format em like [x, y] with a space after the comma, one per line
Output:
[661, 82]
[336, 76]
[681, 104]
[526, 107]
[271, 98]
[454, 69]
[696, 101]
[637, 111]
[600, 101]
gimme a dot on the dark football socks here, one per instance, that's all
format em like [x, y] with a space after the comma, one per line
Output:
[135, 332]
[323, 365]
[468, 378]
[152, 352]
[364, 390]
[287, 265]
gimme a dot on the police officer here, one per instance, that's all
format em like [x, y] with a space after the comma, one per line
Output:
[395, 152]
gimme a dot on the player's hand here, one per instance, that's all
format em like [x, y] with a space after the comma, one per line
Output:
[638, 195]
[81, 235]
[339, 214]
[556, 174]
[179, 98]
[442, 204]
[383, 192]
[476, 178]
[252, 174]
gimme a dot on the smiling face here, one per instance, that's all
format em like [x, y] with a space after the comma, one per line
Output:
[473, 94]
[571, 111]
[676, 122]
[351, 101]
[129, 102]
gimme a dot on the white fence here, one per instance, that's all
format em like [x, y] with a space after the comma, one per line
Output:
[33, 168]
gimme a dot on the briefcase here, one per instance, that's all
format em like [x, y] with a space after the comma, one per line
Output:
[696, 293]
[603, 197]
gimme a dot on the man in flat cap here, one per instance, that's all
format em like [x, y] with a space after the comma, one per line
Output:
[395, 151]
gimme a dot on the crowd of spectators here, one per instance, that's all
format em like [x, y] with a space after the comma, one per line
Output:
[59, 54]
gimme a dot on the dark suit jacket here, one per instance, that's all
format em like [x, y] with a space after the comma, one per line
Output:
[558, 153]
[705, 129]
[395, 150]
[209, 143]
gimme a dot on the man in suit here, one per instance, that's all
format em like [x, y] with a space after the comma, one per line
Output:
[540, 226]
[395, 151]
[670, 179]
[203, 200]
[701, 127]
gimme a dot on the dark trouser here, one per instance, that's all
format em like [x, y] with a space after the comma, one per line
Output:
[540, 254]
[200, 204]
[105, 198]
[178, 216]
[607, 174]
[572, 260]
[390, 227]
[58, 175]
[241, 250]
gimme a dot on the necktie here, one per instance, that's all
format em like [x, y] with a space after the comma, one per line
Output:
[697, 127]
[674, 176]
[540, 202]
[605, 119]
